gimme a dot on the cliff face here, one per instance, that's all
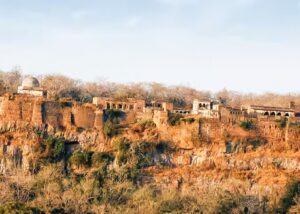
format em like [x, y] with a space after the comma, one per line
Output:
[206, 155]
[222, 156]
[19, 142]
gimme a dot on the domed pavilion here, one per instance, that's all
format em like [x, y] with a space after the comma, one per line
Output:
[31, 85]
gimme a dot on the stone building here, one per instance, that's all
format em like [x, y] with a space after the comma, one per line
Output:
[270, 111]
[231, 115]
[158, 105]
[128, 104]
[160, 118]
[131, 104]
[31, 86]
[183, 111]
[206, 108]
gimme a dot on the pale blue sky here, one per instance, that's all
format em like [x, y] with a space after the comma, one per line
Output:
[244, 45]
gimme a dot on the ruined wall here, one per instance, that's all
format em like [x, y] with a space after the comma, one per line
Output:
[67, 117]
[126, 105]
[52, 114]
[230, 115]
[98, 124]
[56, 114]
[84, 116]
[15, 107]
[144, 115]
[167, 106]
[160, 118]
[37, 113]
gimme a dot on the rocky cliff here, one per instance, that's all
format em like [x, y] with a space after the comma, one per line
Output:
[201, 155]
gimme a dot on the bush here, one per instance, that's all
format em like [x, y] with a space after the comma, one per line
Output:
[102, 158]
[128, 173]
[59, 211]
[53, 149]
[147, 124]
[138, 154]
[179, 204]
[142, 154]
[188, 120]
[226, 205]
[81, 158]
[248, 125]
[282, 122]
[122, 145]
[169, 206]
[256, 142]
[111, 118]
[16, 208]
[116, 194]
[110, 129]
[113, 115]
[287, 200]
[174, 119]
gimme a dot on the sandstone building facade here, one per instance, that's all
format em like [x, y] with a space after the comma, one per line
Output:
[206, 108]
[270, 111]
[119, 104]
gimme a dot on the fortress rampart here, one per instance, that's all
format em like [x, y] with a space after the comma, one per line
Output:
[38, 111]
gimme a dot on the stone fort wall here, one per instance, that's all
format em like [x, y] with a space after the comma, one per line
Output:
[38, 111]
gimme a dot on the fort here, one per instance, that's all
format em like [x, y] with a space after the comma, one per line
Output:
[176, 146]
[32, 105]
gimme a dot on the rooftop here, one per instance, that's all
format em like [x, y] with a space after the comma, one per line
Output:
[271, 108]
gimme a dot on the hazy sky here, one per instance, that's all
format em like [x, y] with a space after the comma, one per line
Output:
[245, 45]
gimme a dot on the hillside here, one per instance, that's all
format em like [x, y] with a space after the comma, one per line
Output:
[192, 166]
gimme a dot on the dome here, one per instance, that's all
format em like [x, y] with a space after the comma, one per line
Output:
[30, 82]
